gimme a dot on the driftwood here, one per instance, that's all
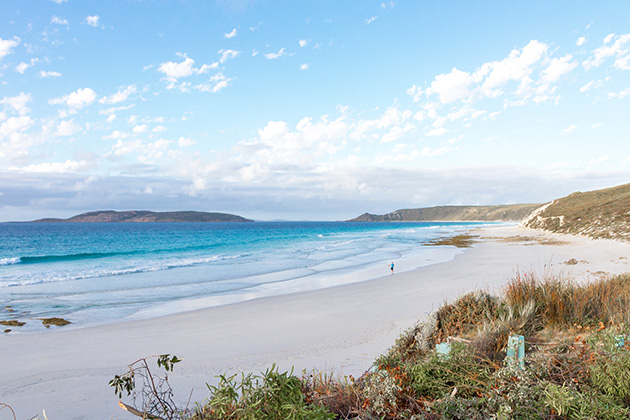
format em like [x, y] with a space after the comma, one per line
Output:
[138, 413]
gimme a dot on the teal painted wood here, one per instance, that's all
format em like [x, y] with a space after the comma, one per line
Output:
[443, 349]
[516, 351]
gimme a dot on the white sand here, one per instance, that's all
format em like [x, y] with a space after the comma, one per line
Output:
[341, 329]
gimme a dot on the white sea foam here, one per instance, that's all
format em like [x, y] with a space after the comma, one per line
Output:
[10, 261]
[53, 277]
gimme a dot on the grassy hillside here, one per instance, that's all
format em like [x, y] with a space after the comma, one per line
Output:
[596, 214]
[110, 216]
[501, 213]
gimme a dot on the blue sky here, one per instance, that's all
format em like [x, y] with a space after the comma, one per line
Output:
[317, 110]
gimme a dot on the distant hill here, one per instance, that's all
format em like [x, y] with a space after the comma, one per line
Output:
[597, 214]
[110, 216]
[501, 213]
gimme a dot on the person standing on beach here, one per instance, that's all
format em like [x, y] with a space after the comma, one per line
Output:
[392, 267]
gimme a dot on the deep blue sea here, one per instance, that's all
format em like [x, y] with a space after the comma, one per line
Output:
[94, 273]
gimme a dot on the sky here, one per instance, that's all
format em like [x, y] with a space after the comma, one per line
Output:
[308, 110]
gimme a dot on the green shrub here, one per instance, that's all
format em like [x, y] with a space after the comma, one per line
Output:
[272, 395]
[438, 375]
[610, 374]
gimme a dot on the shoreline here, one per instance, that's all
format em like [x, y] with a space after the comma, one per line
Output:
[340, 329]
[116, 290]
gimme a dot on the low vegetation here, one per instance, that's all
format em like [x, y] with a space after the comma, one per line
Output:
[601, 214]
[576, 365]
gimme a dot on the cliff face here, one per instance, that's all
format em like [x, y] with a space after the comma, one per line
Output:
[501, 213]
[134, 216]
[596, 214]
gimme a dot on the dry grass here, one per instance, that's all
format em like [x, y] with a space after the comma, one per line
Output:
[340, 397]
[464, 315]
[560, 302]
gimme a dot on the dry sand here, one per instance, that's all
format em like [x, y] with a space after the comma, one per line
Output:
[340, 329]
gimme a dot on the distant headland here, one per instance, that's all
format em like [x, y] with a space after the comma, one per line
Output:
[144, 216]
[500, 213]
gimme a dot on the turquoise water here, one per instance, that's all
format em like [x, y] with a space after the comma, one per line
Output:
[103, 272]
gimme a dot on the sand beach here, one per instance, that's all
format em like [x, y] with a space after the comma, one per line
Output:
[338, 329]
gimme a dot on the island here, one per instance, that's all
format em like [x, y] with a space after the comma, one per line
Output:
[144, 216]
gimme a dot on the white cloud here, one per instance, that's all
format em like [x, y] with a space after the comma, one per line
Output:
[415, 92]
[174, 71]
[145, 152]
[516, 67]
[59, 1]
[67, 128]
[581, 41]
[92, 20]
[303, 42]
[48, 74]
[76, 100]
[7, 45]
[526, 74]
[570, 129]
[141, 128]
[618, 49]
[304, 66]
[159, 129]
[15, 125]
[120, 96]
[111, 118]
[437, 132]
[451, 86]
[391, 117]
[396, 132]
[22, 67]
[115, 109]
[215, 84]
[600, 160]
[58, 21]
[370, 20]
[273, 56]
[429, 151]
[231, 34]
[558, 68]
[227, 54]
[619, 95]
[54, 167]
[589, 86]
[18, 104]
[185, 142]
[116, 134]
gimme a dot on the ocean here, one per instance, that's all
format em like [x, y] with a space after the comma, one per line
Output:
[96, 273]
